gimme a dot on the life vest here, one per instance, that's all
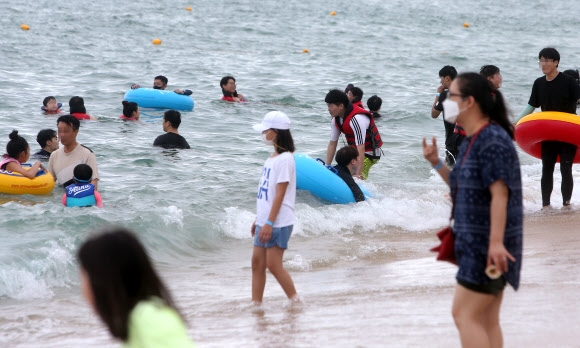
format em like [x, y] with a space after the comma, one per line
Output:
[80, 195]
[81, 116]
[57, 111]
[230, 98]
[359, 104]
[372, 139]
[7, 159]
[52, 112]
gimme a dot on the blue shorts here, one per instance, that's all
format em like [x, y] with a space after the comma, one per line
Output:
[280, 237]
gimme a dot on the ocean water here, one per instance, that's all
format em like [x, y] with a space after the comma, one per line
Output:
[193, 208]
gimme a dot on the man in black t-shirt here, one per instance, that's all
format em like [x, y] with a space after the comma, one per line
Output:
[453, 137]
[171, 139]
[554, 92]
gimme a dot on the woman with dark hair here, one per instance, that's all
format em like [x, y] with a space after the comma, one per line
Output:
[228, 85]
[275, 216]
[18, 152]
[492, 74]
[131, 111]
[120, 283]
[77, 109]
[487, 207]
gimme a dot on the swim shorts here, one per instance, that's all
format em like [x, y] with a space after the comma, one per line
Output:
[367, 164]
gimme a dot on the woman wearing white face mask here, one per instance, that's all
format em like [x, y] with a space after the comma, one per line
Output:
[275, 216]
[487, 207]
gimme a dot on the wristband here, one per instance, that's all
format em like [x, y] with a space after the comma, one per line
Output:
[268, 222]
[438, 94]
[438, 165]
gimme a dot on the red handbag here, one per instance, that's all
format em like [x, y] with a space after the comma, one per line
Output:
[446, 250]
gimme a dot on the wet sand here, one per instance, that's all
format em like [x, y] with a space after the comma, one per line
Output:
[406, 301]
[398, 297]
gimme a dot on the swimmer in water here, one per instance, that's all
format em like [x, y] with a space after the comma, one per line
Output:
[18, 152]
[160, 82]
[81, 193]
[50, 106]
[355, 95]
[77, 109]
[48, 141]
[131, 111]
[374, 104]
[230, 94]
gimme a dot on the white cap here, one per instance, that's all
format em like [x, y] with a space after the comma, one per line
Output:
[273, 119]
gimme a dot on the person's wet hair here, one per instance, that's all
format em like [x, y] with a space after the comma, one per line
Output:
[374, 103]
[283, 141]
[224, 81]
[345, 155]
[162, 79]
[129, 108]
[357, 93]
[337, 97]
[83, 173]
[489, 70]
[490, 101]
[72, 121]
[16, 145]
[448, 70]
[44, 136]
[76, 104]
[174, 117]
[121, 275]
[47, 99]
[549, 53]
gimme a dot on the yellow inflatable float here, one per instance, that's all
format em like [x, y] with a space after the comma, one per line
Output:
[16, 184]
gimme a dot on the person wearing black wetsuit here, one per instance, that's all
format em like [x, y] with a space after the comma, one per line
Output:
[346, 158]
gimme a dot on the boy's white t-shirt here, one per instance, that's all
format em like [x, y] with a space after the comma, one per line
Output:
[277, 170]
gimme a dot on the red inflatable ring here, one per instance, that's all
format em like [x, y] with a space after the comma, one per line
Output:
[535, 128]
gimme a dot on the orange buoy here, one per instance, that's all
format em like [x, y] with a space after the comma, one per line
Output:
[156, 42]
[305, 50]
[188, 8]
[333, 13]
[24, 27]
[466, 25]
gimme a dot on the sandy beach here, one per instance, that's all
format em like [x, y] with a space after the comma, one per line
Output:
[397, 297]
[404, 299]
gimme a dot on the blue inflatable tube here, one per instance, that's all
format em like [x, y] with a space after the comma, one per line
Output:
[313, 176]
[159, 99]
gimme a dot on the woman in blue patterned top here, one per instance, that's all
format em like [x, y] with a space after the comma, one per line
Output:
[487, 211]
